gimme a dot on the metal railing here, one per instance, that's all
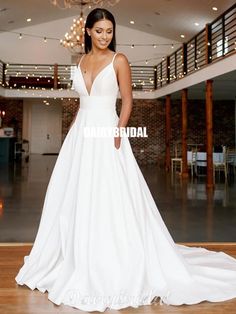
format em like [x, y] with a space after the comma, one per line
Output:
[223, 34]
[44, 76]
[143, 78]
[2, 76]
[33, 76]
[216, 41]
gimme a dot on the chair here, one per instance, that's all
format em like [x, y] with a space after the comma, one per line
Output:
[176, 161]
[21, 149]
[192, 161]
[231, 158]
[221, 165]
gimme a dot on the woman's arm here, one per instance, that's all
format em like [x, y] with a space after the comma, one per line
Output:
[123, 72]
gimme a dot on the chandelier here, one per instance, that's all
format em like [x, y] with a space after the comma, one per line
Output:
[74, 40]
[67, 4]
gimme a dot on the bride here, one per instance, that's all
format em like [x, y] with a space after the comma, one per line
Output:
[101, 243]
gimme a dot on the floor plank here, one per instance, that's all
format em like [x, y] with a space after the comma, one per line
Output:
[21, 300]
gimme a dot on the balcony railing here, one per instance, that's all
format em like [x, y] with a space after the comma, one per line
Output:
[2, 76]
[214, 42]
[217, 40]
[143, 77]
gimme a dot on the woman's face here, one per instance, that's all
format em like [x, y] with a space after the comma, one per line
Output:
[101, 33]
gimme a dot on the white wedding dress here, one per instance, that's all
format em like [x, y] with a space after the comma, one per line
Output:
[101, 241]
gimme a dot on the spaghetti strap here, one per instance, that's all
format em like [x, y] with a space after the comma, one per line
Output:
[114, 57]
[78, 65]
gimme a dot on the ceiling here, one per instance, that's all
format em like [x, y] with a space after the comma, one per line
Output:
[167, 18]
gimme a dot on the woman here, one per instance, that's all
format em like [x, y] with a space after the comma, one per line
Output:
[101, 242]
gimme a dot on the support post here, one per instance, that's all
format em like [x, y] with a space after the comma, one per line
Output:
[168, 133]
[209, 133]
[184, 133]
[55, 76]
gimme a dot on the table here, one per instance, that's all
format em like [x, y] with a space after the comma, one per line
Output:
[201, 159]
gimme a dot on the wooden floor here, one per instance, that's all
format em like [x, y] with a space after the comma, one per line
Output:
[22, 300]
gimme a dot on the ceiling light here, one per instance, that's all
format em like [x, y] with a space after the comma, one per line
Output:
[29, 19]
[131, 22]
[182, 36]
[214, 8]
[196, 24]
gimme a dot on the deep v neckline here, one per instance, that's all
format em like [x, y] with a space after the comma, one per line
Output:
[89, 92]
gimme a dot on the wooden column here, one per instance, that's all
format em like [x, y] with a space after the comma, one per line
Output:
[184, 133]
[168, 133]
[209, 133]
[55, 76]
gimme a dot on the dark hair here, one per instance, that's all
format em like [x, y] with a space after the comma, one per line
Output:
[94, 16]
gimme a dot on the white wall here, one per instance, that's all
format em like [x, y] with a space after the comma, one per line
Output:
[34, 50]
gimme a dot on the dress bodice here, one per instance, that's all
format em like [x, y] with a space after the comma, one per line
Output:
[104, 84]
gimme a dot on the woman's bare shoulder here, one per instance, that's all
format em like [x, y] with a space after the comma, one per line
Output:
[121, 61]
[121, 58]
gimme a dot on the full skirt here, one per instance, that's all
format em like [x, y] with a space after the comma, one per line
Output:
[101, 241]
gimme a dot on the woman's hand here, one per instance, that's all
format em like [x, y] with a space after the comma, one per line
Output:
[117, 141]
